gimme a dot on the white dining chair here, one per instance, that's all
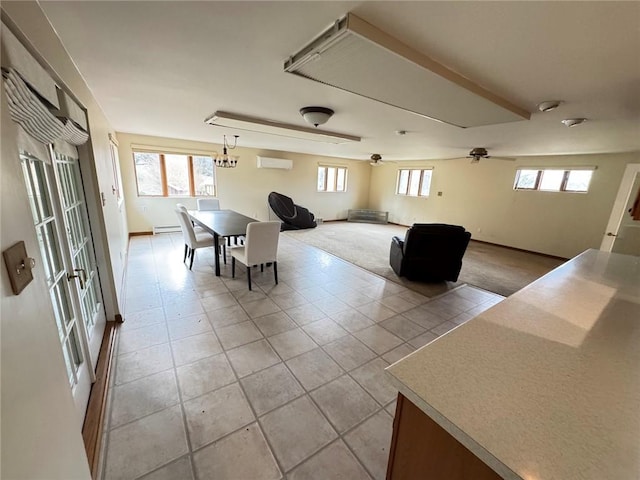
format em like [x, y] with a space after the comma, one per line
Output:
[260, 247]
[192, 239]
[198, 229]
[208, 204]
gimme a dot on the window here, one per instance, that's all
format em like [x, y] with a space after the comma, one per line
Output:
[174, 175]
[554, 180]
[414, 183]
[332, 179]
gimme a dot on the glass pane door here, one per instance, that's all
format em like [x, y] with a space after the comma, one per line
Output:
[82, 256]
[38, 178]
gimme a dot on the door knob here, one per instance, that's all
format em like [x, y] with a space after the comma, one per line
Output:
[81, 275]
[611, 234]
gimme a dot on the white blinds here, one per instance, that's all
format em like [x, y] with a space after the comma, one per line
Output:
[35, 102]
[16, 56]
[27, 110]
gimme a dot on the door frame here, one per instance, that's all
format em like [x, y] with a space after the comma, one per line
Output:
[619, 206]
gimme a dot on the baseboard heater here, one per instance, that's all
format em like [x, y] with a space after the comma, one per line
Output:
[166, 229]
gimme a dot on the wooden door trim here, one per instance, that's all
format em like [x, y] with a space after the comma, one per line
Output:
[96, 409]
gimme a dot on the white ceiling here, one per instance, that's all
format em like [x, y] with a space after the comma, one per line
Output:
[161, 68]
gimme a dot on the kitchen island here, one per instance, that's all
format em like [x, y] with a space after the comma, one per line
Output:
[545, 385]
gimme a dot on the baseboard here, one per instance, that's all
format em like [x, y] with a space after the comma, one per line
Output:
[555, 257]
[139, 234]
[96, 409]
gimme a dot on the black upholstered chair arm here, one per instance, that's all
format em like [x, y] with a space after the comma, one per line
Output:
[396, 255]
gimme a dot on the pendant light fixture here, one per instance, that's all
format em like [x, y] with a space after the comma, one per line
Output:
[225, 160]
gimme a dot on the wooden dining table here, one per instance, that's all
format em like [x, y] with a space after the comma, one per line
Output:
[221, 224]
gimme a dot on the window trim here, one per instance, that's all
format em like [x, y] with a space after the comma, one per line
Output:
[163, 173]
[335, 182]
[566, 171]
[422, 171]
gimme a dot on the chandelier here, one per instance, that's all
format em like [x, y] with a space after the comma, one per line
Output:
[225, 160]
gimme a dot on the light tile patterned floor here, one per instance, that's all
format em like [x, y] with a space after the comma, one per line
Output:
[287, 381]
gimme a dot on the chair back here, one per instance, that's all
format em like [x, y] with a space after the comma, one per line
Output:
[261, 244]
[436, 240]
[187, 227]
[208, 204]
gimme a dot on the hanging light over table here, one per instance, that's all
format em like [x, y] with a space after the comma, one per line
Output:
[225, 160]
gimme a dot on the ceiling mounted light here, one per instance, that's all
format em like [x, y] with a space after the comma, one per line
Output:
[316, 115]
[549, 105]
[269, 127]
[225, 160]
[572, 122]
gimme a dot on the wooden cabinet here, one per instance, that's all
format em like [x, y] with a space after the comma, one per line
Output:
[422, 450]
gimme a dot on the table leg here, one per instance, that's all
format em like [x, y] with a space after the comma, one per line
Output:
[216, 238]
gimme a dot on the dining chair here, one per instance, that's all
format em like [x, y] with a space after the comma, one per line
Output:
[260, 247]
[208, 204]
[192, 239]
[198, 229]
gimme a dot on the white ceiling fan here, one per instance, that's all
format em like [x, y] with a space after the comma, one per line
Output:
[478, 153]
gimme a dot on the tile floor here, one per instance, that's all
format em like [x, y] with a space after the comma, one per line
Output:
[215, 382]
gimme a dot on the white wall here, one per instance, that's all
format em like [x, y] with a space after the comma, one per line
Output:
[246, 187]
[108, 222]
[40, 432]
[481, 198]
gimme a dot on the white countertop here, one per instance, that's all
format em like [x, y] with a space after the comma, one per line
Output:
[546, 384]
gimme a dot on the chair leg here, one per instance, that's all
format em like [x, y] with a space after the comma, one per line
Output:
[275, 271]
[193, 254]
[233, 267]
[262, 267]
[249, 277]
[186, 248]
[224, 253]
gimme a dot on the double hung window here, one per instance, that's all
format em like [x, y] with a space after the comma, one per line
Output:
[414, 182]
[332, 179]
[554, 179]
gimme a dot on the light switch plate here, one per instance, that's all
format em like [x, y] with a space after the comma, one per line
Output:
[17, 262]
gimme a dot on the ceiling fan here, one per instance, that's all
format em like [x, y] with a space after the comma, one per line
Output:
[480, 152]
[376, 160]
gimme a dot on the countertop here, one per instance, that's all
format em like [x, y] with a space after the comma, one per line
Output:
[546, 384]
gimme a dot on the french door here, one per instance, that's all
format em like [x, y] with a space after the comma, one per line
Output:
[60, 217]
[623, 232]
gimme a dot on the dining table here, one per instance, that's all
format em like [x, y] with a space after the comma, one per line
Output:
[221, 224]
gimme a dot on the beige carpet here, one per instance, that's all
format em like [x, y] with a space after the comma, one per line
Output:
[490, 267]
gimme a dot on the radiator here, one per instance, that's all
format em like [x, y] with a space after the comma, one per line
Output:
[166, 229]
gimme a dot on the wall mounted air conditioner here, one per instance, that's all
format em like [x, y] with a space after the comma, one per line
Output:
[280, 163]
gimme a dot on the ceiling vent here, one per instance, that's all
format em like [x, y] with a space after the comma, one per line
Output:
[355, 56]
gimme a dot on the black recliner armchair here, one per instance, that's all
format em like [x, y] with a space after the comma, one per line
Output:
[430, 252]
[294, 216]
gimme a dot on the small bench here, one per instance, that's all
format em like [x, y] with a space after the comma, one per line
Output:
[368, 216]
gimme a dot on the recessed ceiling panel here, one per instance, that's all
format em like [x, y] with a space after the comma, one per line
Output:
[357, 57]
